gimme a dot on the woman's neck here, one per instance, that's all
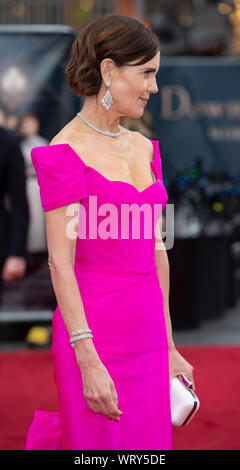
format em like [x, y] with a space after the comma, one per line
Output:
[94, 112]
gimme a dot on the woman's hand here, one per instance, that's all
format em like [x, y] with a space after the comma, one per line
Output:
[178, 365]
[99, 390]
[14, 268]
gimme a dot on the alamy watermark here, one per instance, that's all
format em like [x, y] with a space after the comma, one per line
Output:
[114, 225]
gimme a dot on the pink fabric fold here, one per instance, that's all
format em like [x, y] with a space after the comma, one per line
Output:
[45, 431]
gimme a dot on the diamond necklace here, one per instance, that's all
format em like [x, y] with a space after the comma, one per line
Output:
[111, 134]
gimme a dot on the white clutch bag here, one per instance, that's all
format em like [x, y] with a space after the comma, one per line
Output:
[184, 402]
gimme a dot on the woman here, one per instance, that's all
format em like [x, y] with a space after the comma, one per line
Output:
[28, 132]
[106, 280]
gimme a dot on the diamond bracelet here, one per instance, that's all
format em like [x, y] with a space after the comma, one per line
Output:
[76, 338]
[80, 334]
[84, 330]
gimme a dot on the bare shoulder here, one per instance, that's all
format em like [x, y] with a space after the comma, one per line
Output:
[62, 137]
[144, 144]
[142, 139]
[65, 135]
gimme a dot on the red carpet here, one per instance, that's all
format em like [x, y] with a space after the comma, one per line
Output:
[27, 383]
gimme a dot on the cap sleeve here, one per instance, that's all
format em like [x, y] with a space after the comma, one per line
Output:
[60, 175]
[157, 162]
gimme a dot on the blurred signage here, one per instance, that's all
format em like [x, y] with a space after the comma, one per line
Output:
[196, 113]
[32, 77]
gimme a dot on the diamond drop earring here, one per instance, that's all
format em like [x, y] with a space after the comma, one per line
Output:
[107, 100]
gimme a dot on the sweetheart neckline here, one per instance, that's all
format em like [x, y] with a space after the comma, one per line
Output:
[123, 182]
[117, 181]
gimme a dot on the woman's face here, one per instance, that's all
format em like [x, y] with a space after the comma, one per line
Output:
[28, 127]
[131, 84]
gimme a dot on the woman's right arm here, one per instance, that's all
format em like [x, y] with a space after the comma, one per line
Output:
[98, 387]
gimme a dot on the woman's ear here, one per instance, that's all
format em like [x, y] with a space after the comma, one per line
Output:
[106, 69]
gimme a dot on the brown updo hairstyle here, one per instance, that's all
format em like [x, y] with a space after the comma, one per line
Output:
[118, 37]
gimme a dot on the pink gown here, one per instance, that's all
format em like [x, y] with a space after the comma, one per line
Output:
[123, 303]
